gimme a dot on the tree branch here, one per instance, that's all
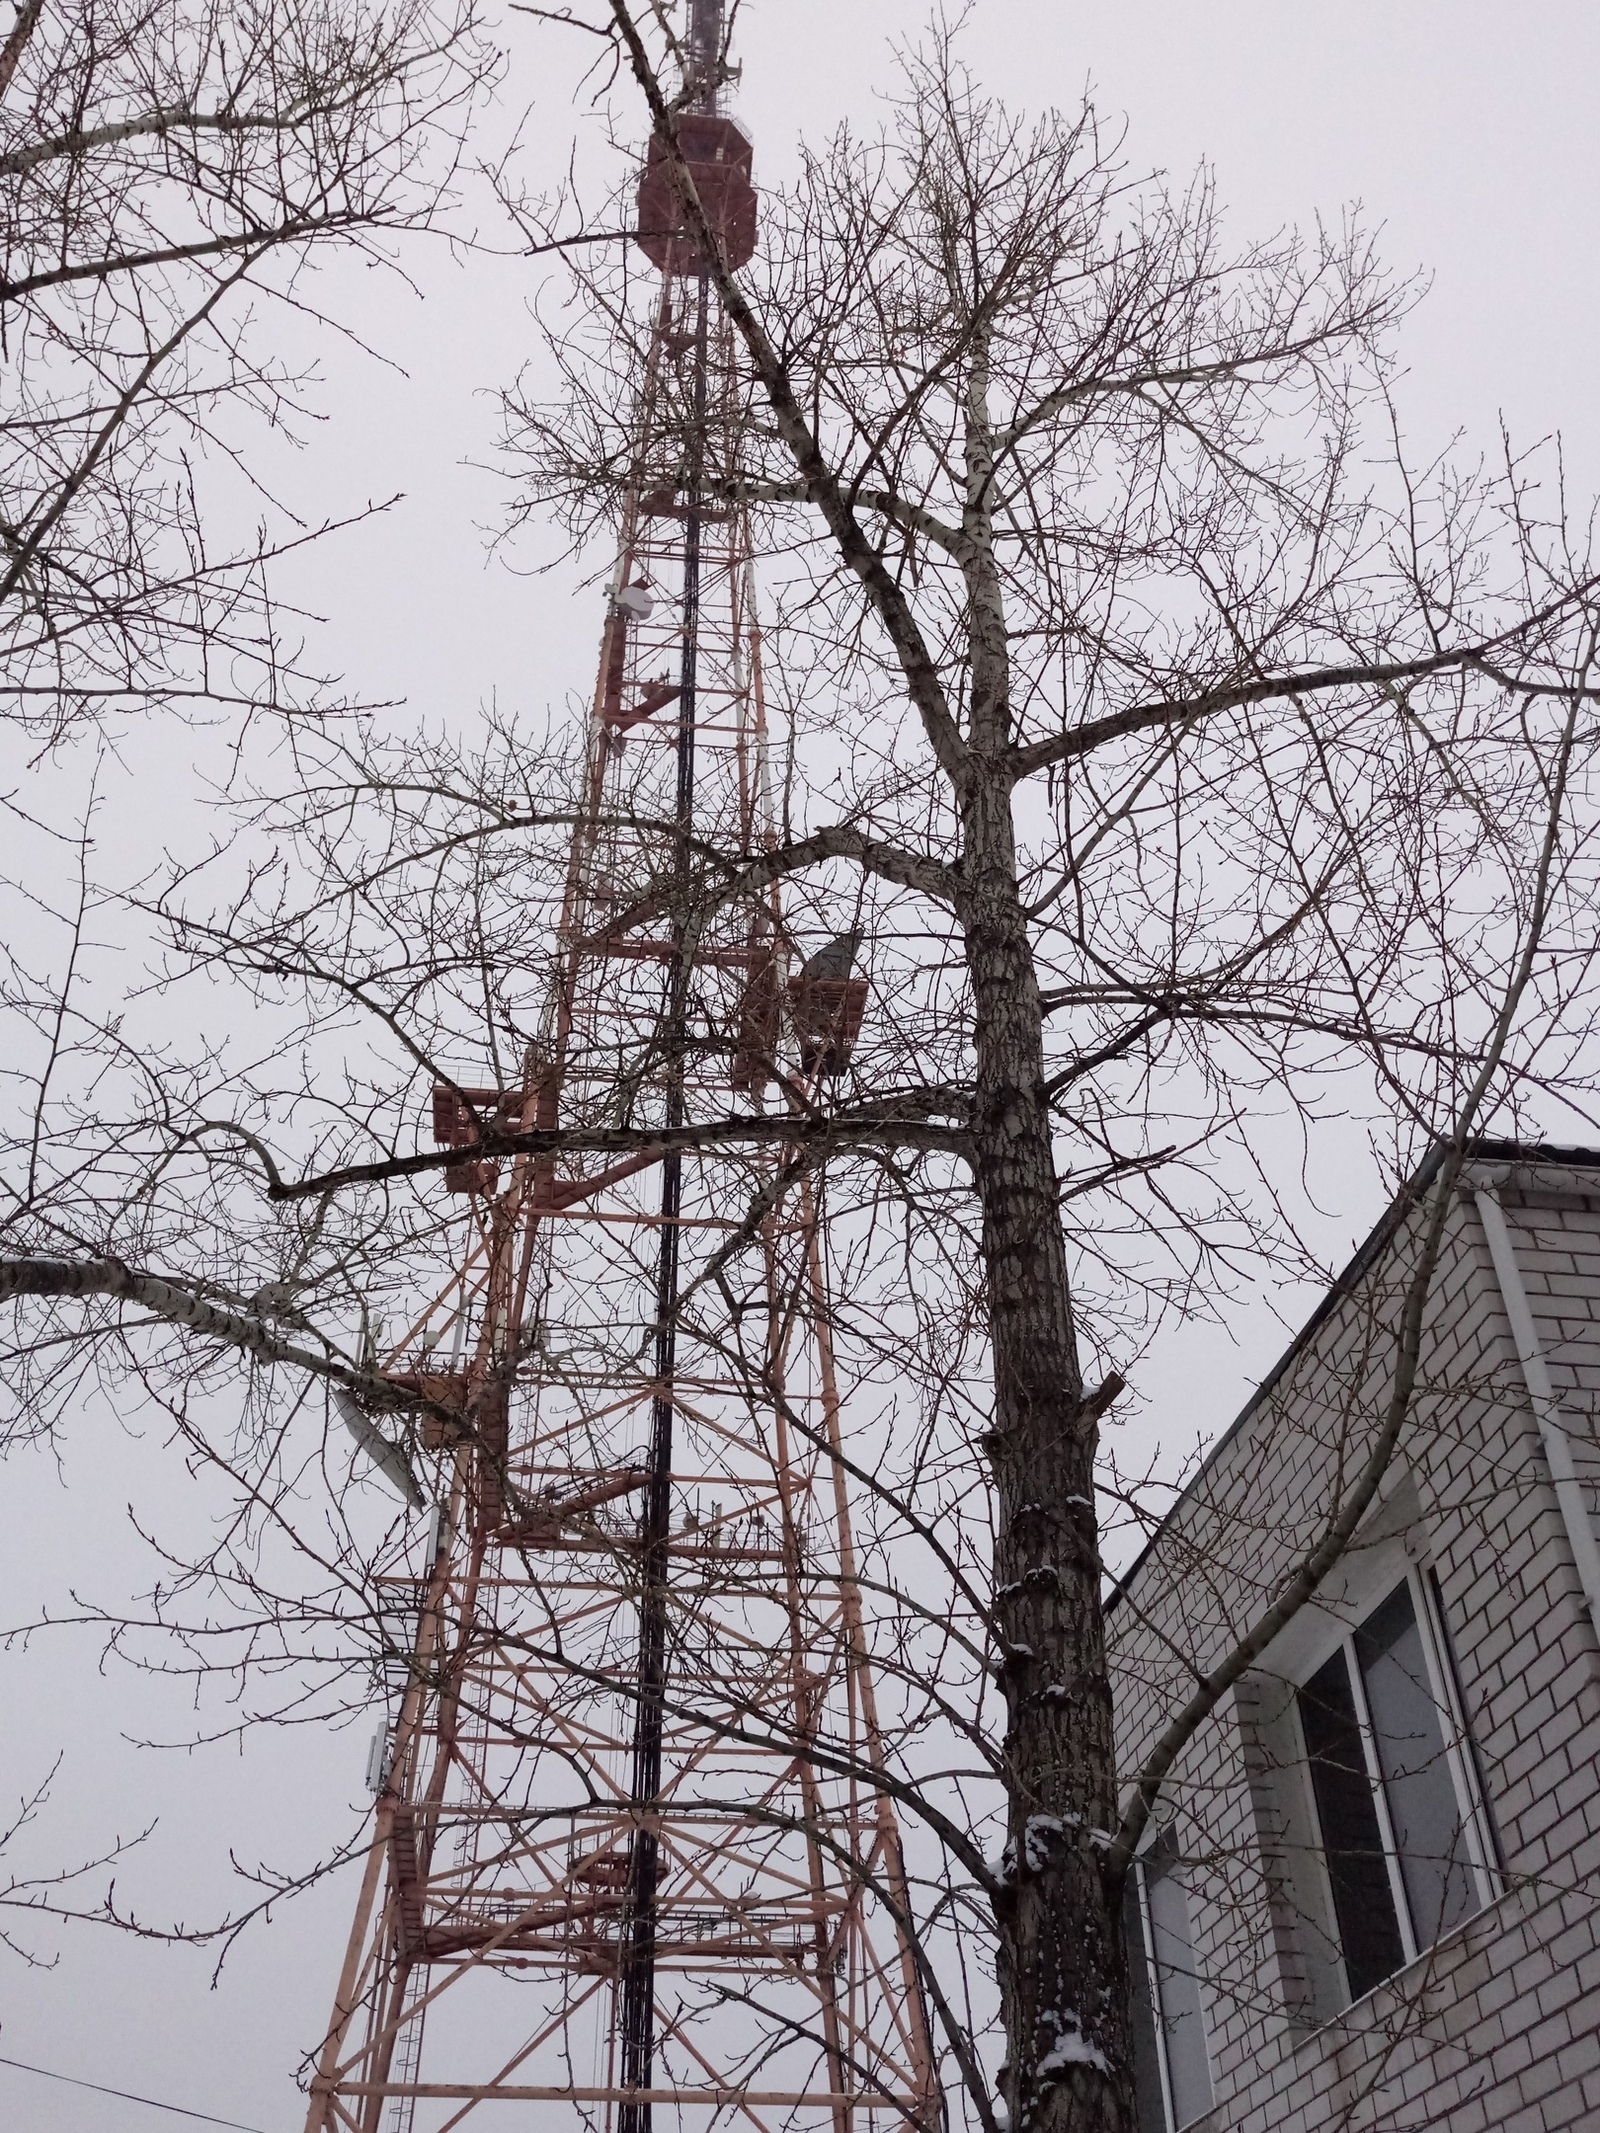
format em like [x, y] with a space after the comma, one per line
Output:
[893, 1123]
[1083, 740]
[17, 43]
[182, 1307]
[299, 229]
[176, 118]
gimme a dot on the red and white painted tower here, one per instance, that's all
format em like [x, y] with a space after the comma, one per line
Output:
[629, 1853]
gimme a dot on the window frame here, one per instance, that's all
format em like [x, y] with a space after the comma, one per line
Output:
[1146, 1953]
[1375, 1582]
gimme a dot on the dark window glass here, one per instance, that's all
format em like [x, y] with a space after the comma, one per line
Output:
[1182, 2024]
[1416, 1776]
[1150, 2108]
[1369, 1932]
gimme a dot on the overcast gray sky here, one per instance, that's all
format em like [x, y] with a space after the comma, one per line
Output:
[1468, 133]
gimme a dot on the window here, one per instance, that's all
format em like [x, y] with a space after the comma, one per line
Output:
[1171, 2071]
[1399, 1826]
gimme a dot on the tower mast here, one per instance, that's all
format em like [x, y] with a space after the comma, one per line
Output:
[632, 1844]
[639, 1930]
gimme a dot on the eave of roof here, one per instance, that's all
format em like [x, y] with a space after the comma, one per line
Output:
[1478, 1151]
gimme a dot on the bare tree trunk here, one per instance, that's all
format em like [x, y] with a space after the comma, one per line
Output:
[1061, 1963]
[1063, 1977]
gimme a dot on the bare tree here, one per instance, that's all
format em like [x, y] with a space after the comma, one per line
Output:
[1174, 766]
[162, 169]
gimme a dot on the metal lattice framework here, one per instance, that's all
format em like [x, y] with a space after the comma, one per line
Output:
[629, 1850]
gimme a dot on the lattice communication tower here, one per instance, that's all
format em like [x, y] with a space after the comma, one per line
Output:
[628, 1857]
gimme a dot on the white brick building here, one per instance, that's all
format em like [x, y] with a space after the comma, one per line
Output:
[1374, 1901]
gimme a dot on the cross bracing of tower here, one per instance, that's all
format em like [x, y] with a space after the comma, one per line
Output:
[629, 1853]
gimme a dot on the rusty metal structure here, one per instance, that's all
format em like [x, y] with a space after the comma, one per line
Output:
[630, 1864]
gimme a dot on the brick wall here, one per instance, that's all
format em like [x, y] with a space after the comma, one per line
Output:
[1498, 2026]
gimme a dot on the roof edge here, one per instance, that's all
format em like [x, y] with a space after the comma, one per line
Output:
[1343, 1285]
